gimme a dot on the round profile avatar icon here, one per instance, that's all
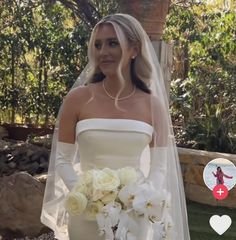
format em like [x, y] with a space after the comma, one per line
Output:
[220, 171]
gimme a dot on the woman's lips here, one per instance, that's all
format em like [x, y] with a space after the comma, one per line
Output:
[107, 62]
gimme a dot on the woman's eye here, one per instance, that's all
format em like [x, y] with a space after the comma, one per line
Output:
[97, 45]
[113, 43]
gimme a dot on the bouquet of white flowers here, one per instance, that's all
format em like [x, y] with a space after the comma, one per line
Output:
[116, 199]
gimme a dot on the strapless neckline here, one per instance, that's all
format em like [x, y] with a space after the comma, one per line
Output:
[115, 119]
[115, 124]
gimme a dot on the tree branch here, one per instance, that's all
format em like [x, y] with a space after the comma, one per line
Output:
[83, 9]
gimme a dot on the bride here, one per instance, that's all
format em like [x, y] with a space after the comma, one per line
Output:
[116, 115]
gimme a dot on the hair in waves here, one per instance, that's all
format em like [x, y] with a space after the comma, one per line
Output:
[129, 33]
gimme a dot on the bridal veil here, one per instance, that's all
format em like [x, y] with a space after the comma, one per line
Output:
[53, 211]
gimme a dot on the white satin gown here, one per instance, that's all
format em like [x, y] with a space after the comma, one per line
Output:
[112, 143]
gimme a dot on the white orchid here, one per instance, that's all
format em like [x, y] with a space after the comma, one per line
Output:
[108, 219]
[131, 236]
[149, 202]
[168, 222]
[127, 227]
[158, 230]
[167, 200]
[128, 193]
[104, 226]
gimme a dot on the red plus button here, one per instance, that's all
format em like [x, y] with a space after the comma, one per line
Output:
[220, 192]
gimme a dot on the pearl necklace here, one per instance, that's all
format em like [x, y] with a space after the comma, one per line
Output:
[113, 98]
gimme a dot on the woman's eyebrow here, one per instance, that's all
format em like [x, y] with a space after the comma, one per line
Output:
[107, 39]
[113, 38]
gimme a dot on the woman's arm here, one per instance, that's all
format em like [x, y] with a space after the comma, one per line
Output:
[230, 177]
[66, 147]
[160, 124]
[68, 118]
[215, 175]
[158, 166]
[158, 145]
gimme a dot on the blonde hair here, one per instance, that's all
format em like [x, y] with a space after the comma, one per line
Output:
[129, 33]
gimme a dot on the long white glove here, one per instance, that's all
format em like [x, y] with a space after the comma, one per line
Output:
[64, 155]
[158, 167]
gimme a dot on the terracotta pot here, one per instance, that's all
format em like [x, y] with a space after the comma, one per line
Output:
[151, 14]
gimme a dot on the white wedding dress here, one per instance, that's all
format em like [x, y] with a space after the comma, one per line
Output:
[112, 143]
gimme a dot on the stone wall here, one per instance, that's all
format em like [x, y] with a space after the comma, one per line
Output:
[192, 164]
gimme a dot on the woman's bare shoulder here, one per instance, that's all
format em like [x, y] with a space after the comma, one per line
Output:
[156, 101]
[78, 91]
[78, 94]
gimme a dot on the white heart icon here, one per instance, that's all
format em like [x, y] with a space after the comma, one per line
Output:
[220, 224]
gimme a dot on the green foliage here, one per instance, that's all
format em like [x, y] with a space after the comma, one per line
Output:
[43, 50]
[105, 7]
[204, 100]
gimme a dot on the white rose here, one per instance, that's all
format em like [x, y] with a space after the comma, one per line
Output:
[81, 188]
[75, 203]
[87, 177]
[97, 194]
[92, 210]
[109, 197]
[127, 175]
[85, 185]
[105, 180]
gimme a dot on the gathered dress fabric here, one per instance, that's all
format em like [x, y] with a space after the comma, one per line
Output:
[111, 143]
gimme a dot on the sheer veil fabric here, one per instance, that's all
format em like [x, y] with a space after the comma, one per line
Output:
[53, 212]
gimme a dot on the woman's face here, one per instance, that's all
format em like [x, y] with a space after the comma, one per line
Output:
[108, 51]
